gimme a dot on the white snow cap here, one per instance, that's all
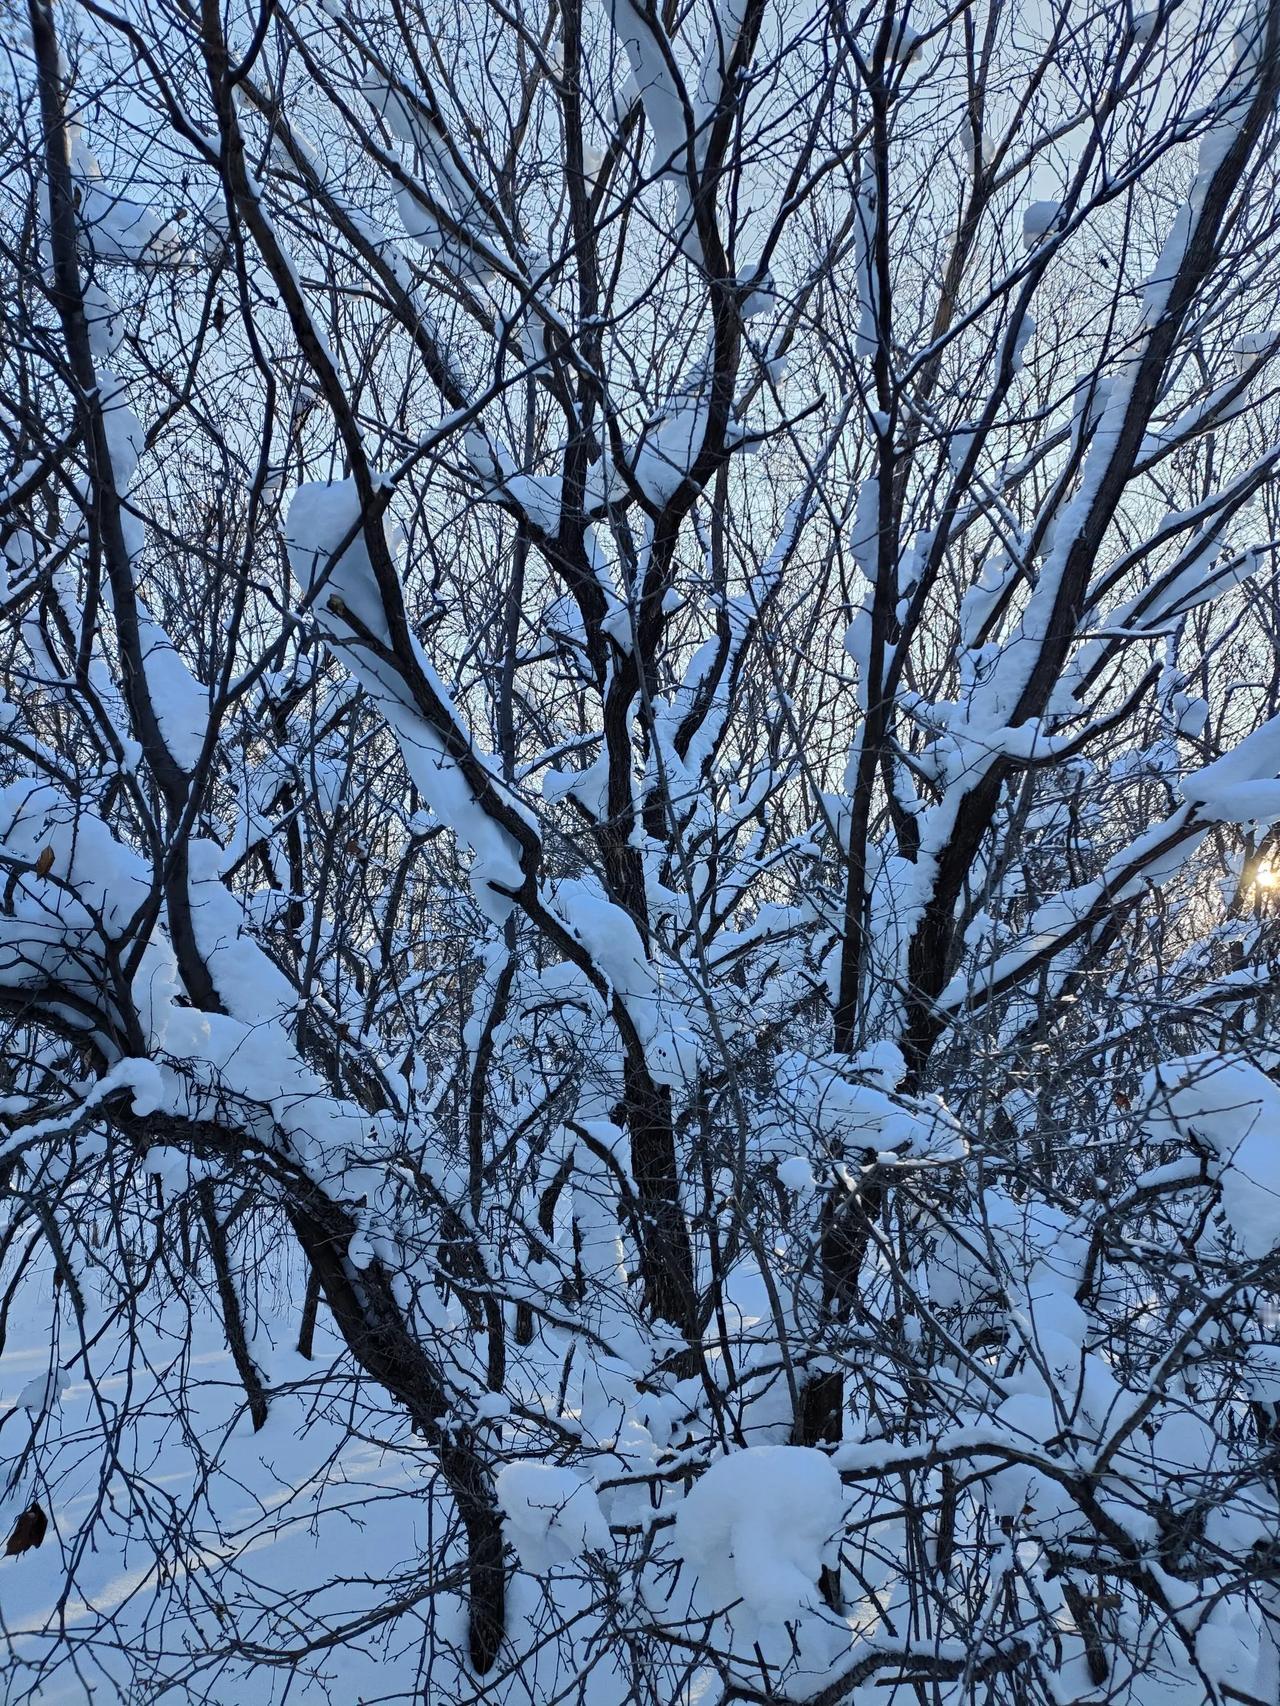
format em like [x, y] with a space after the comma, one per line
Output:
[45, 1392]
[553, 1515]
[906, 47]
[1234, 1108]
[1250, 348]
[796, 1173]
[760, 1525]
[1038, 219]
[1243, 786]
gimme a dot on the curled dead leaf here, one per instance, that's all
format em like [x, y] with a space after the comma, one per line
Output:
[44, 864]
[28, 1532]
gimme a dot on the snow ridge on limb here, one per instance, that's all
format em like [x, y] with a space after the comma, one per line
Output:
[331, 562]
[110, 431]
[658, 82]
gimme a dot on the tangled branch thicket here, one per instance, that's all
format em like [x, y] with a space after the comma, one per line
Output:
[638, 939]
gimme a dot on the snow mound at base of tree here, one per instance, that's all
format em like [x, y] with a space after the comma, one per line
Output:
[759, 1526]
